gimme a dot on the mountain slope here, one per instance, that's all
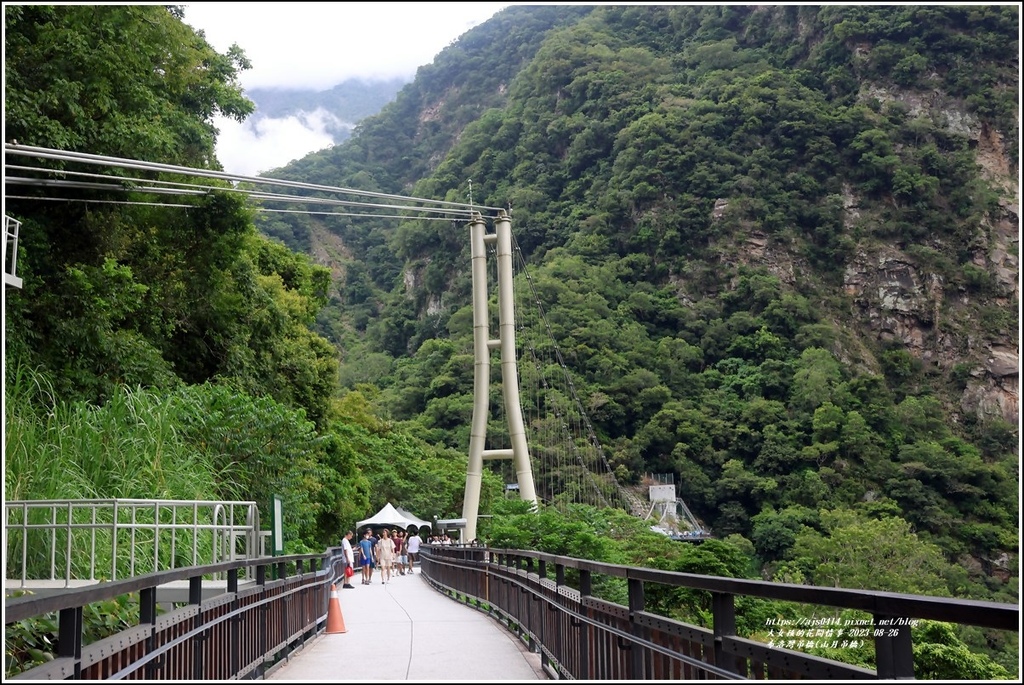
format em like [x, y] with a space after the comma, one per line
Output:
[780, 244]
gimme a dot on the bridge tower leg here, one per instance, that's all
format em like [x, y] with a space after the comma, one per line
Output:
[481, 376]
[509, 368]
[482, 347]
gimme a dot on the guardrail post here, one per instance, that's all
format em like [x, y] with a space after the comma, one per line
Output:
[894, 655]
[636, 603]
[235, 624]
[723, 612]
[147, 617]
[488, 560]
[69, 637]
[551, 617]
[586, 590]
[542, 574]
[195, 598]
[263, 629]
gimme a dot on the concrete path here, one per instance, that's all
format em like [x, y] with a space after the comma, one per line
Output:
[406, 630]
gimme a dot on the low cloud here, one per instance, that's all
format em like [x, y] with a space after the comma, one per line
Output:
[259, 145]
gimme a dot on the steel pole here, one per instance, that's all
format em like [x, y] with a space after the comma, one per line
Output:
[509, 370]
[481, 377]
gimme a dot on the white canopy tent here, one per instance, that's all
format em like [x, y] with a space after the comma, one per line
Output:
[393, 518]
[418, 521]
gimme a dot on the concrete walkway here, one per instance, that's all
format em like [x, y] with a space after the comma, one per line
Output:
[406, 630]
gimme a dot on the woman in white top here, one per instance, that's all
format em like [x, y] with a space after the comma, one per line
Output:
[412, 550]
[385, 555]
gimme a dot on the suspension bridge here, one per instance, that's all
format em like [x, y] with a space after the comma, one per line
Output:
[541, 428]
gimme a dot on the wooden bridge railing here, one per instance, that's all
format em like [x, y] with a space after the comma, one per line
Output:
[549, 602]
[243, 633]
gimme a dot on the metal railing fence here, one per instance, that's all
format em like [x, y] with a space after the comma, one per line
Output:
[549, 601]
[78, 541]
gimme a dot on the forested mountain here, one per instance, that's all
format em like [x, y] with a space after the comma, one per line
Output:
[791, 232]
[778, 246]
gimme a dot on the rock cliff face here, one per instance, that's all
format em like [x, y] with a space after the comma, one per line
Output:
[902, 299]
[903, 303]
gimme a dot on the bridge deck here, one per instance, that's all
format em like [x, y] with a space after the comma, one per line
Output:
[406, 630]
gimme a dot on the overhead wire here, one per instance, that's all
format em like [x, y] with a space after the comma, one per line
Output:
[560, 460]
[205, 190]
[197, 189]
[433, 206]
[100, 202]
[256, 209]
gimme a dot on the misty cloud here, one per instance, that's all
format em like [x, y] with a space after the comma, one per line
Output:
[261, 144]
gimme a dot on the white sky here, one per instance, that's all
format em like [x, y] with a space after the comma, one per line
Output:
[318, 45]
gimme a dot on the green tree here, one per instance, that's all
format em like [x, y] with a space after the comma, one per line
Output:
[775, 532]
[71, 84]
[880, 554]
[940, 654]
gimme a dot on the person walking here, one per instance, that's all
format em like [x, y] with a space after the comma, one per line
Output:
[385, 555]
[366, 548]
[350, 559]
[412, 551]
[400, 552]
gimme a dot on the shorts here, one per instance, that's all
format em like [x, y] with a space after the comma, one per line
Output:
[414, 556]
[403, 560]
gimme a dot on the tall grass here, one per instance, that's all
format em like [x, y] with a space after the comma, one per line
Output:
[128, 448]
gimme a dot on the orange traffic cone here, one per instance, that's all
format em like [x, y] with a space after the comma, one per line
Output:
[335, 621]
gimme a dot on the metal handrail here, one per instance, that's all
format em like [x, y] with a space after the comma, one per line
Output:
[66, 540]
[549, 601]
